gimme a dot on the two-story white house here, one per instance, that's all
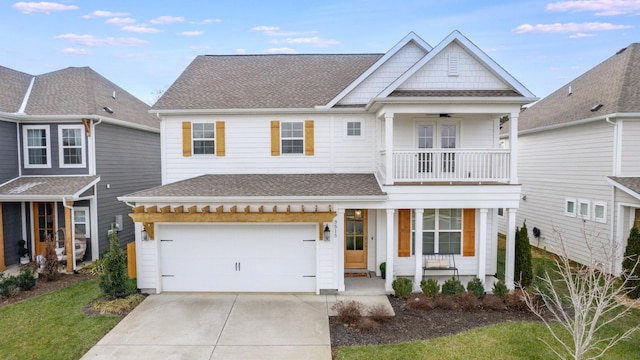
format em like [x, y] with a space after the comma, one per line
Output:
[280, 172]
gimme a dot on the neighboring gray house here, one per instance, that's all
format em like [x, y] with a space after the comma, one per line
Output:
[71, 141]
[578, 160]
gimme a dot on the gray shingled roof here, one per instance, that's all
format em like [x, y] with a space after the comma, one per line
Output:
[72, 91]
[614, 83]
[263, 81]
[631, 183]
[13, 86]
[268, 185]
[45, 186]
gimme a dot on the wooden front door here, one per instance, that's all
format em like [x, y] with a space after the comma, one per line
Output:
[355, 239]
[44, 223]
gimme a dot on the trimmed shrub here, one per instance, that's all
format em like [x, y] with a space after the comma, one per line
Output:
[467, 302]
[475, 287]
[452, 286]
[500, 289]
[523, 268]
[115, 280]
[402, 287]
[421, 302]
[493, 302]
[348, 312]
[445, 302]
[8, 286]
[26, 280]
[515, 301]
[631, 255]
[430, 287]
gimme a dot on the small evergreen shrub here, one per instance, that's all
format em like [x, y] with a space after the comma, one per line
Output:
[452, 286]
[500, 289]
[26, 280]
[8, 286]
[402, 287]
[430, 287]
[631, 256]
[115, 280]
[348, 312]
[476, 287]
[467, 302]
[523, 268]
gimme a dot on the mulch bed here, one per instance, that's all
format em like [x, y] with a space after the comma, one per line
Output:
[43, 287]
[413, 325]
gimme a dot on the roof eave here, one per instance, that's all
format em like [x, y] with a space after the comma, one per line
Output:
[25, 118]
[450, 100]
[317, 109]
[623, 188]
[578, 122]
[246, 199]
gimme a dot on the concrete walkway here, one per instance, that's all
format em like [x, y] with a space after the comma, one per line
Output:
[212, 326]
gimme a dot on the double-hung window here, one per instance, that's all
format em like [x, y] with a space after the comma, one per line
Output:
[204, 138]
[81, 220]
[71, 146]
[292, 137]
[441, 231]
[37, 146]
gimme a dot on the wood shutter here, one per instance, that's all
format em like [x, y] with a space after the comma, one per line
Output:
[308, 137]
[469, 232]
[404, 232]
[220, 146]
[186, 138]
[275, 138]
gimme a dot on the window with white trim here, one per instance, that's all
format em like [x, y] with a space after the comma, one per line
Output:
[584, 207]
[37, 146]
[570, 207]
[71, 147]
[81, 220]
[354, 128]
[600, 211]
[292, 137]
[441, 231]
[204, 139]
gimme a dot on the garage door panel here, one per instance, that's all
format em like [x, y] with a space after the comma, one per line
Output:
[238, 257]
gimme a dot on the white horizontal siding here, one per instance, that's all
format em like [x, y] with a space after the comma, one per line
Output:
[472, 74]
[630, 166]
[248, 148]
[384, 75]
[570, 162]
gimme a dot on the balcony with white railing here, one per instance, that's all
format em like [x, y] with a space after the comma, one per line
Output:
[448, 165]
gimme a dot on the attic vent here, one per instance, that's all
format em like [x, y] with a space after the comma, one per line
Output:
[453, 65]
[569, 91]
[596, 107]
[621, 51]
[107, 109]
[113, 95]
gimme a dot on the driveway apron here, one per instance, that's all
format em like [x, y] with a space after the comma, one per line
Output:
[221, 326]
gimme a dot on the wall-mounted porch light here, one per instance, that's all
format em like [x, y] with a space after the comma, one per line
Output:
[144, 236]
[327, 233]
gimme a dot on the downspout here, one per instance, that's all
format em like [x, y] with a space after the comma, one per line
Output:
[612, 224]
[93, 146]
[19, 148]
[73, 233]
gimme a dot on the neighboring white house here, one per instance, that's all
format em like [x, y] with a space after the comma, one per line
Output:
[578, 161]
[282, 171]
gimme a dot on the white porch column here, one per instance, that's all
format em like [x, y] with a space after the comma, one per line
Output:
[511, 249]
[417, 243]
[390, 252]
[339, 236]
[482, 245]
[513, 145]
[388, 147]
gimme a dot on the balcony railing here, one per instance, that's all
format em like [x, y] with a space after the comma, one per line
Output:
[460, 165]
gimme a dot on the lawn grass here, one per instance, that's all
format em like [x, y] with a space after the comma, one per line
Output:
[53, 325]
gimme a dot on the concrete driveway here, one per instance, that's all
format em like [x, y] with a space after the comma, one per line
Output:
[211, 326]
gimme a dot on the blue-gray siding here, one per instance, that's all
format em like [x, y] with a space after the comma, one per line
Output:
[8, 151]
[12, 230]
[127, 160]
[54, 148]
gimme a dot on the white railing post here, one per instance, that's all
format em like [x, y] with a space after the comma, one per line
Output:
[388, 145]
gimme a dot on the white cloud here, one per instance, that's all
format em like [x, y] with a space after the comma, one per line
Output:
[142, 28]
[41, 7]
[568, 27]
[275, 31]
[90, 40]
[191, 33]
[73, 51]
[206, 21]
[120, 21]
[280, 50]
[315, 41]
[199, 47]
[102, 13]
[581, 35]
[599, 7]
[240, 51]
[167, 20]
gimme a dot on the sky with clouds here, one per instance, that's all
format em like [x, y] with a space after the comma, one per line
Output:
[143, 46]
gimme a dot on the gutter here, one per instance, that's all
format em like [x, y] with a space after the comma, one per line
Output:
[578, 122]
[270, 111]
[65, 118]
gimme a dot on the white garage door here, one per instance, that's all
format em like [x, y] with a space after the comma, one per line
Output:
[247, 257]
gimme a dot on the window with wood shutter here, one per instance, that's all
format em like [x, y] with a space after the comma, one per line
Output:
[206, 138]
[442, 232]
[295, 137]
[404, 232]
[186, 138]
[469, 232]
